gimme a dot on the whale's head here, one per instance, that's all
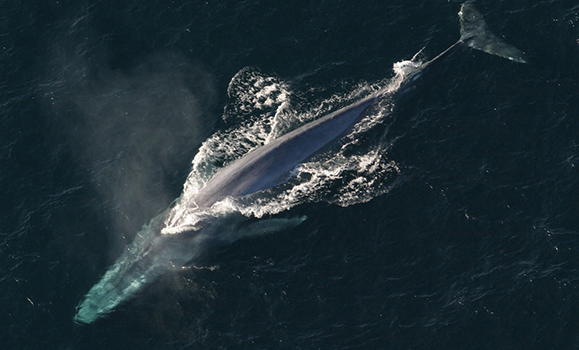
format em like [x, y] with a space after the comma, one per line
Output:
[150, 255]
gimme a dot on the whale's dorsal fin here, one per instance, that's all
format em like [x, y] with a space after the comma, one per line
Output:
[474, 33]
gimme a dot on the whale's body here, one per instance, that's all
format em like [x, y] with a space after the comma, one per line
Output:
[152, 253]
[269, 165]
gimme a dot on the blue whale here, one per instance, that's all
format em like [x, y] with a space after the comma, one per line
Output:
[154, 252]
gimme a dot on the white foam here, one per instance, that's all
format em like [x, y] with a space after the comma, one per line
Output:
[261, 110]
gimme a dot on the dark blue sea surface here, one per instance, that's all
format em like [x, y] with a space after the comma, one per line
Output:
[472, 243]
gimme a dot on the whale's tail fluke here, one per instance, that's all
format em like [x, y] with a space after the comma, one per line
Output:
[474, 33]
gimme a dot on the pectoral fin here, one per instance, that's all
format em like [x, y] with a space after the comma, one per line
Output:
[267, 226]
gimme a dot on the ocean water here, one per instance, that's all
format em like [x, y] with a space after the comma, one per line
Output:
[449, 222]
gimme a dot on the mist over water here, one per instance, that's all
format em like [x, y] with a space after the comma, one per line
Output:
[130, 130]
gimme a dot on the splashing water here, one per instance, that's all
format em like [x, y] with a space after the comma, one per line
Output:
[355, 172]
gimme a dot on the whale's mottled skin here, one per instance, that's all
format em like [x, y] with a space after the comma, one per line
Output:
[268, 165]
[152, 254]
